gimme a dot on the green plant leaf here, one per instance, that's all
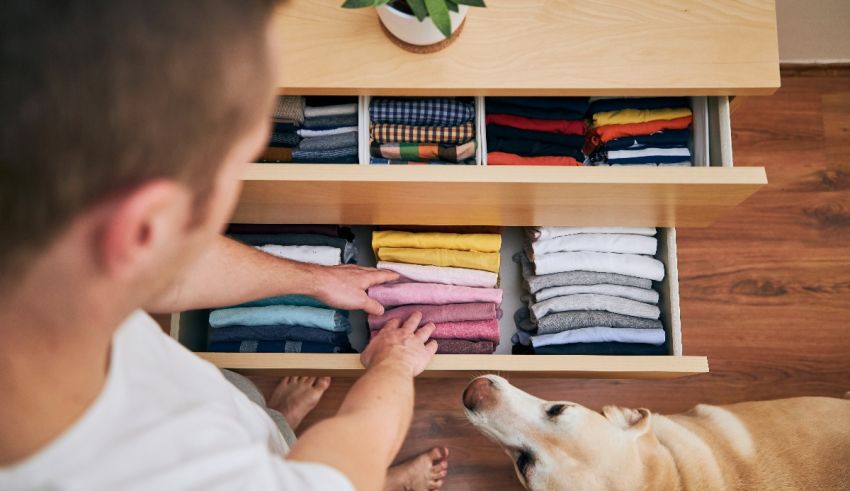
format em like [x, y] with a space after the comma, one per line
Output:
[451, 5]
[439, 13]
[471, 3]
[418, 8]
[358, 4]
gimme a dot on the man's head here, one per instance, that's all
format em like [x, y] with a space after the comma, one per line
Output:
[124, 126]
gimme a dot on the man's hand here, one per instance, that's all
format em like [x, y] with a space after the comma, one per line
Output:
[402, 345]
[344, 287]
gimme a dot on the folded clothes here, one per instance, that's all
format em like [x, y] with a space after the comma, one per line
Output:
[503, 158]
[276, 154]
[615, 104]
[442, 274]
[567, 127]
[578, 319]
[323, 255]
[601, 335]
[455, 229]
[540, 233]
[610, 349]
[390, 295]
[401, 133]
[278, 127]
[289, 109]
[595, 302]
[383, 161]
[614, 131]
[577, 105]
[497, 131]
[622, 243]
[437, 240]
[496, 105]
[275, 333]
[263, 228]
[529, 148]
[305, 133]
[421, 112]
[303, 300]
[630, 116]
[601, 262]
[650, 159]
[646, 295]
[464, 347]
[327, 100]
[334, 156]
[652, 164]
[423, 152]
[327, 122]
[650, 152]
[485, 261]
[660, 139]
[342, 140]
[285, 315]
[346, 247]
[332, 110]
[277, 347]
[438, 314]
[486, 330]
[284, 139]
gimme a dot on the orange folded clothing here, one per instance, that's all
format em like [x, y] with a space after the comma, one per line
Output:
[504, 158]
[614, 131]
[562, 126]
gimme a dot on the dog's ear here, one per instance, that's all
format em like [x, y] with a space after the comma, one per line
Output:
[633, 420]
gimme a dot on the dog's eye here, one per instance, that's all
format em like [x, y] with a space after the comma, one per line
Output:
[555, 410]
[524, 461]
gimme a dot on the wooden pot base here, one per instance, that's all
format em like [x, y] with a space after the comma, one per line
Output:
[430, 48]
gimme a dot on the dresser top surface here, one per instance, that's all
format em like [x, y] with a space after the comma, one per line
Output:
[540, 47]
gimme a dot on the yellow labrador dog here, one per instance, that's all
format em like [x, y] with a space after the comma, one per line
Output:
[800, 443]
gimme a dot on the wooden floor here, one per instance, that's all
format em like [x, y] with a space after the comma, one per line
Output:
[765, 292]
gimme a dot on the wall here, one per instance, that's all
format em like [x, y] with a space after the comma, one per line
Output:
[814, 31]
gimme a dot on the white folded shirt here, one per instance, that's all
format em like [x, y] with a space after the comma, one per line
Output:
[442, 274]
[600, 262]
[305, 133]
[621, 243]
[539, 233]
[324, 255]
[649, 152]
[601, 335]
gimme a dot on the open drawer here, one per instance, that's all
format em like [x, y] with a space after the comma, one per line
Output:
[510, 196]
[190, 329]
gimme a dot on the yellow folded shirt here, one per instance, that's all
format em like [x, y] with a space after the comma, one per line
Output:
[629, 116]
[486, 261]
[437, 240]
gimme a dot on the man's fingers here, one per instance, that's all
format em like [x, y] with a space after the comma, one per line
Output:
[412, 322]
[391, 324]
[431, 346]
[379, 276]
[424, 332]
[372, 306]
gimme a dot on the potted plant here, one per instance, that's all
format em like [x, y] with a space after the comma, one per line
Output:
[405, 20]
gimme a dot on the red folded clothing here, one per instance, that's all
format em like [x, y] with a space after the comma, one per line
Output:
[504, 158]
[614, 131]
[563, 126]
[487, 330]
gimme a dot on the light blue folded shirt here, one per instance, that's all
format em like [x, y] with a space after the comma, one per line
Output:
[292, 315]
[285, 300]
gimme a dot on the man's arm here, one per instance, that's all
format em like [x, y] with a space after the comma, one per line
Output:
[230, 273]
[364, 437]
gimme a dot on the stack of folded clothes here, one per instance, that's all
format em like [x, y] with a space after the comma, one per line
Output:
[329, 132]
[290, 323]
[535, 130]
[590, 292]
[422, 131]
[640, 131]
[450, 278]
[287, 118]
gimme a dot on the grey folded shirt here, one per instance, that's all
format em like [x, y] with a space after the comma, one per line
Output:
[593, 301]
[577, 319]
[329, 142]
[630, 292]
[535, 283]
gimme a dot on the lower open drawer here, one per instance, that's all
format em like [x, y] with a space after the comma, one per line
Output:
[190, 329]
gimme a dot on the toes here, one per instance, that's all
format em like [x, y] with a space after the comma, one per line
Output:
[322, 383]
[309, 381]
[287, 380]
[436, 454]
[436, 485]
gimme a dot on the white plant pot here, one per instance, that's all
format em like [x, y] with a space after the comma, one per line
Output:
[410, 30]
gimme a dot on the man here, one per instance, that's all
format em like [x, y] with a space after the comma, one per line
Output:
[125, 127]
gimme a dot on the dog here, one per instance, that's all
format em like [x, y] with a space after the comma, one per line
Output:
[799, 443]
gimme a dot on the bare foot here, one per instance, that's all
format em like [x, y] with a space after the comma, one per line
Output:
[425, 472]
[295, 397]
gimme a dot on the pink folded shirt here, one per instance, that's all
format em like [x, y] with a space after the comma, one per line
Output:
[442, 274]
[432, 294]
[470, 330]
[454, 312]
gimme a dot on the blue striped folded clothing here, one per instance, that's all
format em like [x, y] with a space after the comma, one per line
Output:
[660, 139]
[329, 122]
[330, 142]
[346, 155]
[278, 347]
[681, 153]
[606, 104]
[292, 315]
[275, 333]
[421, 112]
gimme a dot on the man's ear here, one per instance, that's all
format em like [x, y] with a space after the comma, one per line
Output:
[137, 222]
[632, 420]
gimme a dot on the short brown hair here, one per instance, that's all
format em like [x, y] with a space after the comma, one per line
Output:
[100, 95]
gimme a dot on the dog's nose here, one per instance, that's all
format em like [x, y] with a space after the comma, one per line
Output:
[478, 394]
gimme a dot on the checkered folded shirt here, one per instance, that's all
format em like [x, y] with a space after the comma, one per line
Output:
[421, 112]
[401, 133]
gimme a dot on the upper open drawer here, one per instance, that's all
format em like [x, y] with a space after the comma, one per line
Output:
[552, 47]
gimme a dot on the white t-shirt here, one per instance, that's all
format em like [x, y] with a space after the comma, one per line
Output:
[167, 420]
